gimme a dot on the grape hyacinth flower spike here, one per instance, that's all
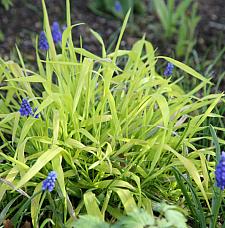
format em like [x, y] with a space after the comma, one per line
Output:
[43, 43]
[37, 115]
[220, 172]
[56, 33]
[118, 7]
[64, 27]
[49, 182]
[25, 108]
[169, 69]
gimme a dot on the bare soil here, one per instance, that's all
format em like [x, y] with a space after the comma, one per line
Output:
[22, 22]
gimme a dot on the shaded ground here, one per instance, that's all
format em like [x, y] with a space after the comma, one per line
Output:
[24, 20]
[213, 18]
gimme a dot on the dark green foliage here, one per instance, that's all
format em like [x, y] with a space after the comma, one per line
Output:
[192, 199]
[179, 23]
[89, 221]
[169, 217]
[6, 3]
[190, 193]
[108, 6]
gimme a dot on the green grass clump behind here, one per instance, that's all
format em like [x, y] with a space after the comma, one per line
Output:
[111, 127]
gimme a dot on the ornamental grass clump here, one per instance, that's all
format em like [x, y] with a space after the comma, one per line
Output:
[112, 128]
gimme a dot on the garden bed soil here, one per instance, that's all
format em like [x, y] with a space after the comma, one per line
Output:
[22, 22]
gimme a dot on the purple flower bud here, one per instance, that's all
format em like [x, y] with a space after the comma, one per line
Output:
[220, 172]
[37, 115]
[43, 43]
[56, 33]
[64, 27]
[25, 108]
[49, 182]
[118, 7]
[169, 69]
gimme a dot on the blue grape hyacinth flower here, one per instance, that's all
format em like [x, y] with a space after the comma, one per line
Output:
[118, 7]
[43, 43]
[37, 115]
[25, 108]
[169, 69]
[64, 27]
[49, 182]
[220, 172]
[56, 33]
